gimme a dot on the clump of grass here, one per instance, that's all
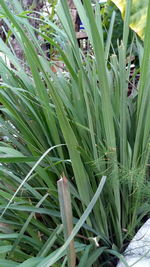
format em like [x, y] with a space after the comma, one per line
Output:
[105, 132]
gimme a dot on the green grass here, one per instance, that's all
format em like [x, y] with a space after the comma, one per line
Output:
[79, 124]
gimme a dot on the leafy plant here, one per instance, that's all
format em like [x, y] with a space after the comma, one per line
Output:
[79, 122]
[138, 14]
[106, 12]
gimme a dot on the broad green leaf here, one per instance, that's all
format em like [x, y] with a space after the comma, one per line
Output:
[138, 14]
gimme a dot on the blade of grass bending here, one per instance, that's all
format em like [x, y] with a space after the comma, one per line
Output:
[49, 243]
[66, 215]
[49, 261]
[28, 175]
[119, 256]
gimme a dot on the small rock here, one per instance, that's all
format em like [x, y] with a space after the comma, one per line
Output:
[138, 251]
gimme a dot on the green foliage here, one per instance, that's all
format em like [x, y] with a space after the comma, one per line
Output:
[78, 122]
[107, 12]
[138, 14]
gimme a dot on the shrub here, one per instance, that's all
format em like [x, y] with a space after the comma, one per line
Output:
[79, 122]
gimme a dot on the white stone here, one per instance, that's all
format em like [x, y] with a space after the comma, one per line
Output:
[138, 251]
